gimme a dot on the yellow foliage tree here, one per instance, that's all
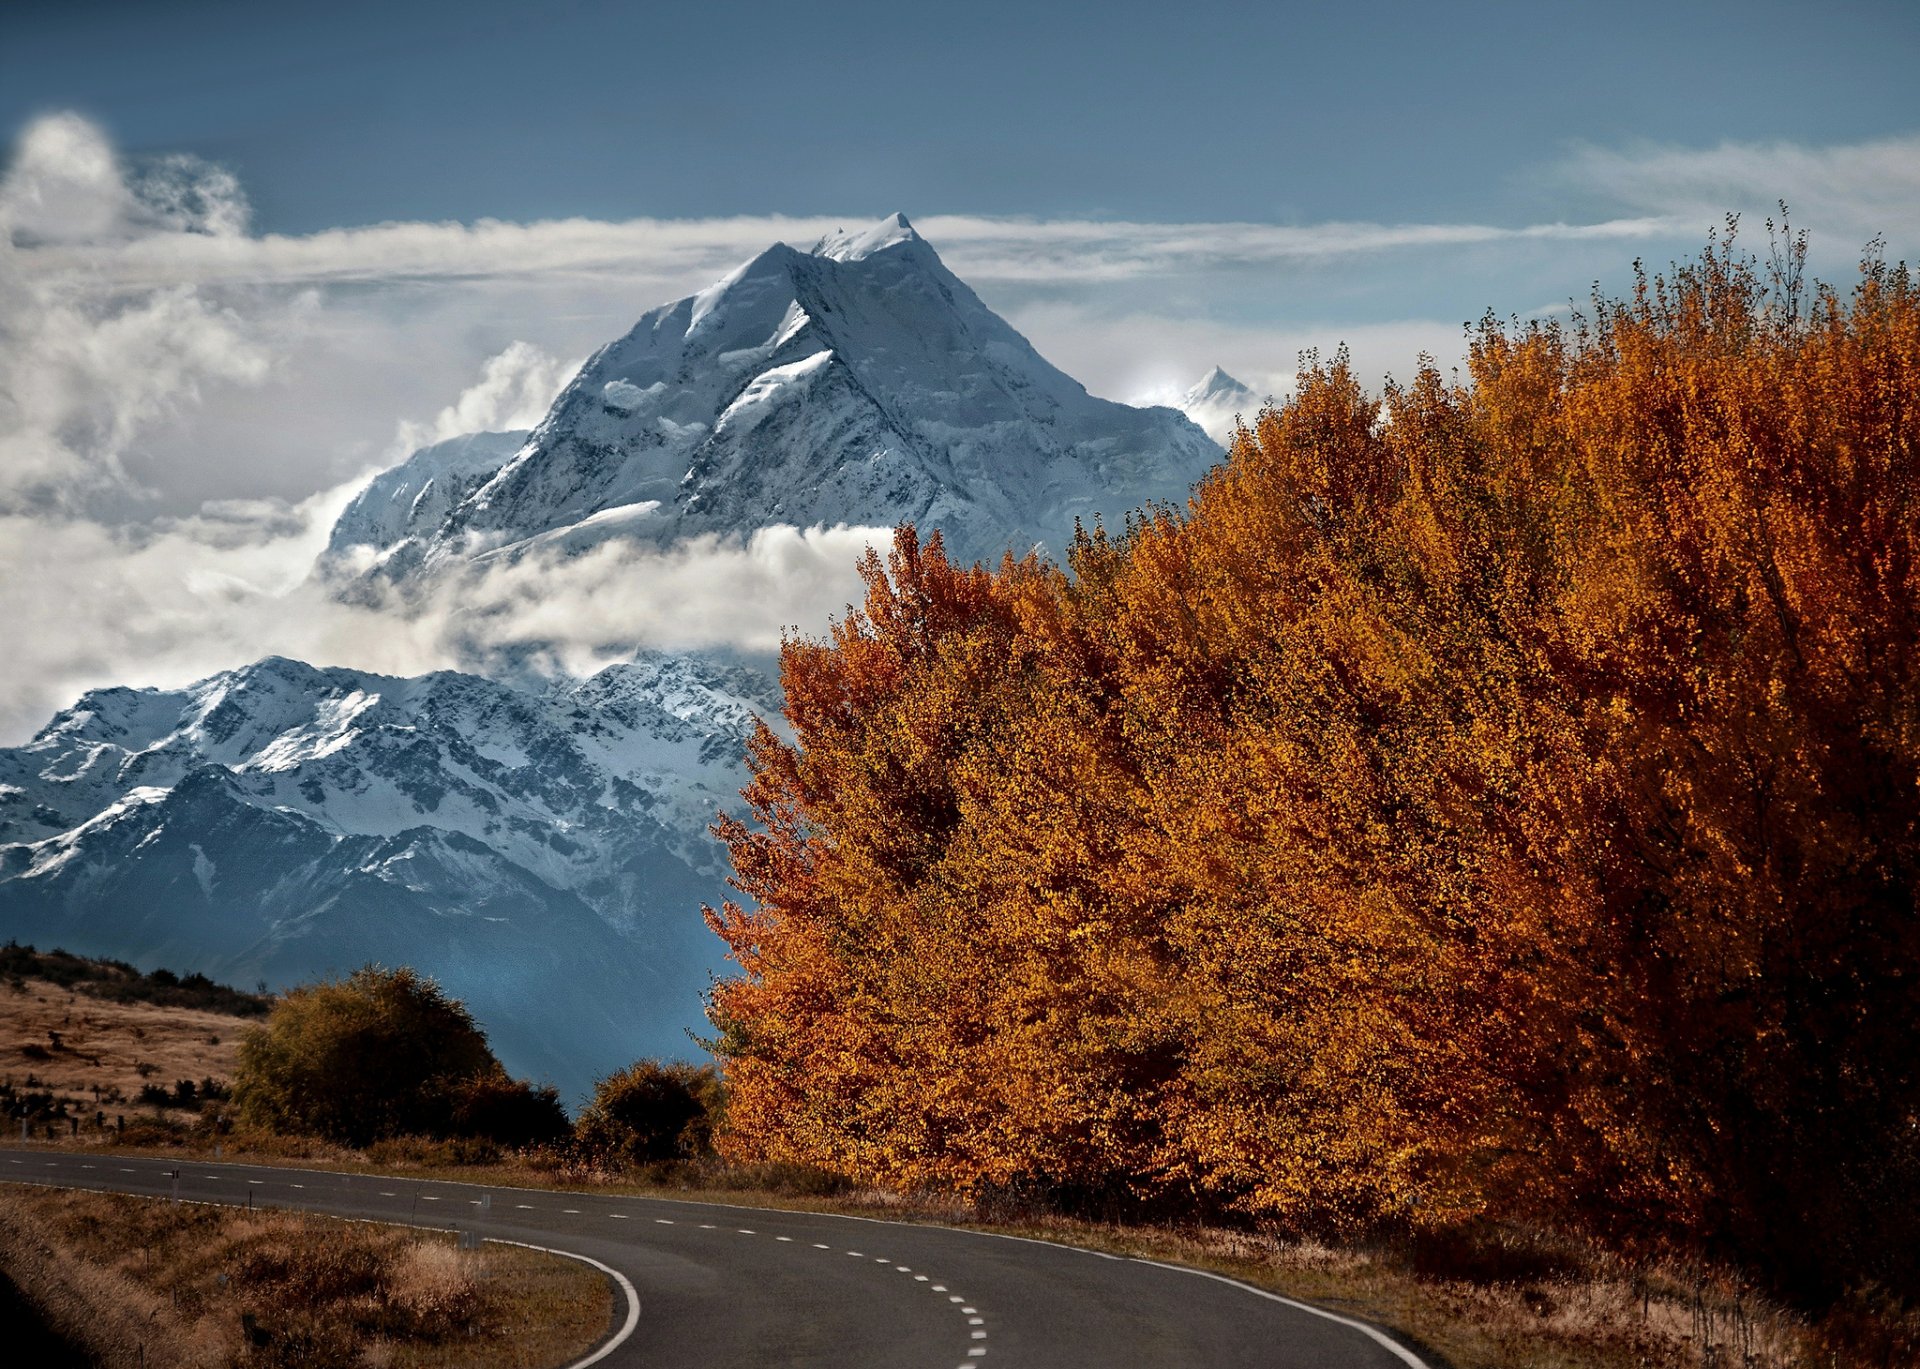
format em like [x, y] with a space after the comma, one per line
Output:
[1496, 798]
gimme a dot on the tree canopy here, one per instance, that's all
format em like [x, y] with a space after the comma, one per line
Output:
[1496, 798]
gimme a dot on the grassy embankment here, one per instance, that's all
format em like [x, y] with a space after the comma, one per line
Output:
[85, 1043]
[133, 1281]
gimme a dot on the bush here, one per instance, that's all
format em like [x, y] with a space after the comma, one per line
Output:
[649, 1112]
[511, 1112]
[380, 1053]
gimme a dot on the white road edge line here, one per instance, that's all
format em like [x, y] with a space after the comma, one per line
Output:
[627, 1290]
[1388, 1343]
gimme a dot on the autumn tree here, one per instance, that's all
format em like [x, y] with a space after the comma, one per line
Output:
[1496, 797]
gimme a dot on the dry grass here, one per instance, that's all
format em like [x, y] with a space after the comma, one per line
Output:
[144, 1282]
[95, 1054]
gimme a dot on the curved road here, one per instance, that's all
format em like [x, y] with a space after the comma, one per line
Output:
[723, 1287]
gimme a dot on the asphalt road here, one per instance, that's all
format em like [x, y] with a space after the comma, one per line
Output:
[717, 1287]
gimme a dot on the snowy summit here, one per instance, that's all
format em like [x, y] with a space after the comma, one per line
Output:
[856, 382]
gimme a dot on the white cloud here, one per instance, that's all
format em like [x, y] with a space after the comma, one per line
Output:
[1846, 194]
[685, 250]
[82, 371]
[1147, 358]
[516, 388]
[89, 606]
[595, 606]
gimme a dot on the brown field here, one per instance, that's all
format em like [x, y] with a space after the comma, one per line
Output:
[144, 1282]
[96, 1054]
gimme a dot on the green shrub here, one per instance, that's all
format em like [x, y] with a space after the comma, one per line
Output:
[511, 1112]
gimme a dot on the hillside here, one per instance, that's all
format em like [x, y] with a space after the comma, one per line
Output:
[81, 1039]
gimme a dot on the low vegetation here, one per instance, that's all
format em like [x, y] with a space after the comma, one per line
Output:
[142, 1282]
[380, 1054]
[76, 1063]
[115, 981]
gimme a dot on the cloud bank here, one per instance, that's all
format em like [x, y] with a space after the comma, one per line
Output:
[186, 404]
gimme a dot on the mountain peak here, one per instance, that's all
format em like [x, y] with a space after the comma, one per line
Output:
[1219, 403]
[860, 383]
[1217, 385]
[841, 245]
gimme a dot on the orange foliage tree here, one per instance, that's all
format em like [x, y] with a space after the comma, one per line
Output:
[1493, 799]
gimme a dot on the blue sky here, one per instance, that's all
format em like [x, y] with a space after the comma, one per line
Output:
[350, 112]
[252, 252]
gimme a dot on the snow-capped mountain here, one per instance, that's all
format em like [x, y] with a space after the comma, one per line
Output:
[405, 504]
[857, 382]
[542, 848]
[1216, 401]
[543, 855]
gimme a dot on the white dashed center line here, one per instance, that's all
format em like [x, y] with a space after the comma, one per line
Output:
[429, 1198]
[744, 1232]
[523, 1207]
[618, 1216]
[661, 1221]
[783, 1238]
[571, 1211]
[818, 1246]
[385, 1194]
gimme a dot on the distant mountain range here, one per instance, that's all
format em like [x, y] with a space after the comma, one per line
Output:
[544, 855]
[542, 848]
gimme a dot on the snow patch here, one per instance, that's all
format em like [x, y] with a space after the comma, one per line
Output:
[203, 869]
[625, 396]
[768, 390]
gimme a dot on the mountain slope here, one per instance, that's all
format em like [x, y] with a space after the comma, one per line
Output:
[544, 855]
[858, 382]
